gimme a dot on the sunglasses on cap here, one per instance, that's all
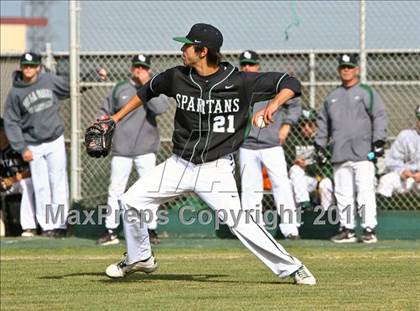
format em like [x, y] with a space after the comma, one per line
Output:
[249, 64]
[29, 65]
[346, 67]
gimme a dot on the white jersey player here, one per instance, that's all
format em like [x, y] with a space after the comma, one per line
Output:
[403, 163]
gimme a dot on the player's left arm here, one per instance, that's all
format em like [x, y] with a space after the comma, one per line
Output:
[157, 105]
[132, 104]
[159, 84]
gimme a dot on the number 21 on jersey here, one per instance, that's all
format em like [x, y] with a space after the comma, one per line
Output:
[224, 124]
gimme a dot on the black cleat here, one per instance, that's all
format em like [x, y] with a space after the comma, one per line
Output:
[369, 236]
[60, 233]
[293, 237]
[344, 236]
[109, 238]
[47, 234]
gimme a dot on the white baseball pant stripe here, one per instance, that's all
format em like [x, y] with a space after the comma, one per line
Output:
[303, 185]
[49, 179]
[215, 184]
[27, 203]
[392, 182]
[251, 162]
[355, 179]
[120, 172]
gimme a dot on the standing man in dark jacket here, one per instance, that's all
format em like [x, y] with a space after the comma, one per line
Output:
[35, 130]
[141, 126]
[353, 122]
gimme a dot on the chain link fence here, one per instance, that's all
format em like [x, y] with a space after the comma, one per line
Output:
[393, 75]
[304, 39]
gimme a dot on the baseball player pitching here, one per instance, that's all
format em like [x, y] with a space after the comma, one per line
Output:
[213, 100]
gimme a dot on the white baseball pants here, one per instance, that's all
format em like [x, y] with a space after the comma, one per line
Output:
[120, 172]
[303, 185]
[27, 203]
[251, 162]
[355, 179]
[49, 178]
[214, 183]
[392, 182]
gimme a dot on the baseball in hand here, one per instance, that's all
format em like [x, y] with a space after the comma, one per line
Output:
[260, 122]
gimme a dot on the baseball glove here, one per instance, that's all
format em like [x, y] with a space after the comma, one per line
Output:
[98, 137]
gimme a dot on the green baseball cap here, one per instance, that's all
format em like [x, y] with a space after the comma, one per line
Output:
[30, 58]
[141, 60]
[347, 60]
[248, 57]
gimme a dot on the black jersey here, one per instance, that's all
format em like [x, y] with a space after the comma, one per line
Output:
[11, 162]
[213, 111]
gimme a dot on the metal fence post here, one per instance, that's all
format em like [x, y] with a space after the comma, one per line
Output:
[312, 80]
[363, 62]
[74, 95]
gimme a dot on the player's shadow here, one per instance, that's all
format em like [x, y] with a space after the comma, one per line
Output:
[59, 277]
[203, 278]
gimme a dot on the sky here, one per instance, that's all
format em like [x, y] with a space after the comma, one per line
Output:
[261, 25]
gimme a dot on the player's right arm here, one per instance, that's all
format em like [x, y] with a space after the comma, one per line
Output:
[280, 87]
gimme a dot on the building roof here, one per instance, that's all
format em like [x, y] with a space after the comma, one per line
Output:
[29, 21]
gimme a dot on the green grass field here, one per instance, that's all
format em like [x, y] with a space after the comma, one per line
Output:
[208, 274]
